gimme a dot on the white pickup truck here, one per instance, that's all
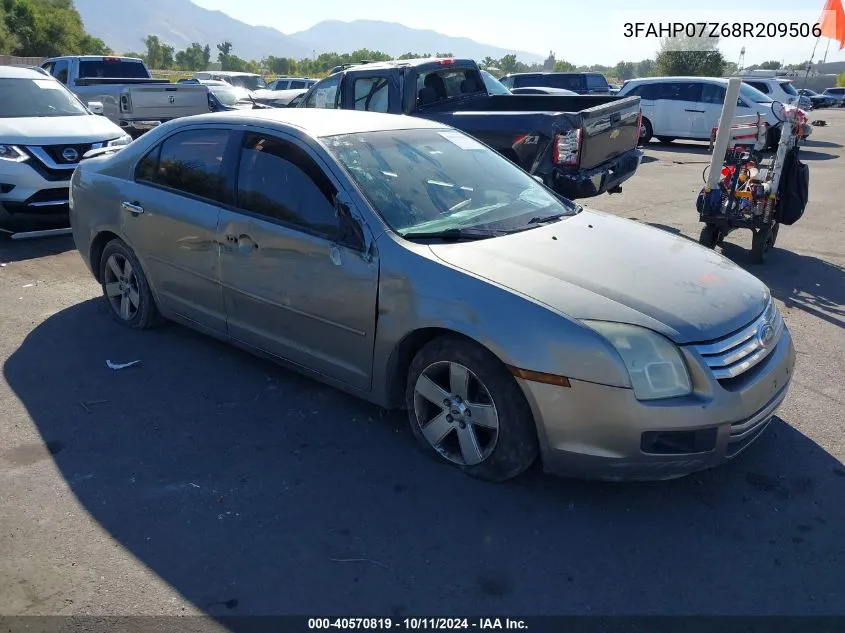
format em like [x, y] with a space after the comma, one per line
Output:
[130, 97]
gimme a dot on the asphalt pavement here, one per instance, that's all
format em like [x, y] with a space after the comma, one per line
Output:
[207, 481]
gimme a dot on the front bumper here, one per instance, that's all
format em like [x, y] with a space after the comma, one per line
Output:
[593, 431]
[30, 196]
[588, 183]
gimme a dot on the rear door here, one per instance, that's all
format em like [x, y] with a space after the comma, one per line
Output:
[570, 81]
[293, 285]
[675, 109]
[169, 217]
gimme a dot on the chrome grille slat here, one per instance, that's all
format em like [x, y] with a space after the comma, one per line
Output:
[735, 354]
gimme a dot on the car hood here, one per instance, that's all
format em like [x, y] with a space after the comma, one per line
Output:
[598, 266]
[58, 130]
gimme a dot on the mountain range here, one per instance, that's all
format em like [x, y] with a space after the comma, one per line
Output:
[181, 22]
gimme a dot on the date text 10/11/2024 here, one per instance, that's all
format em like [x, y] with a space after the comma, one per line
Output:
[418, 624]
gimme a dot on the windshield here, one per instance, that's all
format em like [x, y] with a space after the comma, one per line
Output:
[24, 98]
[113, 69]
[493, 85]
[250, 82]
[423, 181]
[752, 94]
[226, 96]
[788, 88]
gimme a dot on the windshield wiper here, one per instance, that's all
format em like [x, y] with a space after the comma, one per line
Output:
[453, 234]
[547, 218]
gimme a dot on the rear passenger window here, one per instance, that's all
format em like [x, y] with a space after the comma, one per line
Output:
[713, 94]
[760, 85]
[371, 93]
[190, 162]
[567, 82]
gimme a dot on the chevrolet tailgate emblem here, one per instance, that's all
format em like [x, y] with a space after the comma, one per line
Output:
[614, 133]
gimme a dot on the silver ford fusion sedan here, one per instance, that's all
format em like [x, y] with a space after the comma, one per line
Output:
[404, 262]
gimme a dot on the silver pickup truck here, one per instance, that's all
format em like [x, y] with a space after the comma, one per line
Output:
[129, 96]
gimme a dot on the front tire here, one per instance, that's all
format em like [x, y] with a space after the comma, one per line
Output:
[125, 288]
[465, 406]
[762, 243]
[710, 236]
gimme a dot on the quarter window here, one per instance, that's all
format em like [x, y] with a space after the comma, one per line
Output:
[190, 162]
[278, 180]
[713, 94]
[371, 93]
[325, 94]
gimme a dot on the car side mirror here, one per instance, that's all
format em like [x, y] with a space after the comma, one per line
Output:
[96, 107]
[352, 231]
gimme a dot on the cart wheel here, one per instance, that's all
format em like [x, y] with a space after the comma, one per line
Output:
[762, 243]
[775, 229]
[710, 236]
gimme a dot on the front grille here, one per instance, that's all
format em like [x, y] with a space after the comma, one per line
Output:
[733, 355]
[56, 152]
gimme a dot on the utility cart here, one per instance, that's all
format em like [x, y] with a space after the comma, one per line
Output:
[752, 192]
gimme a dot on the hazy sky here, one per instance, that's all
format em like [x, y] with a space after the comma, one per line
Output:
[580, 32]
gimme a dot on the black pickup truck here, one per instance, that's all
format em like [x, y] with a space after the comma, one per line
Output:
[581, 145]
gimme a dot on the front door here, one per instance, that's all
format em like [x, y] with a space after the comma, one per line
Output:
[169, 217]
[291, 287]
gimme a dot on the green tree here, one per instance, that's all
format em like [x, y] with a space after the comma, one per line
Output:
[206, 56]
[44, 28]
[643, 68]
[192, 58]
[624, 70]
[840, 81]
[693, 56]
[562, 66]
[770, 65]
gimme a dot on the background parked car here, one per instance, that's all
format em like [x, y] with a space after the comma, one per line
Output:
[779, 90]
[44, 132]
[690, 107]
[291, 83]
[580, 83]
[837, 94]
[818, 100]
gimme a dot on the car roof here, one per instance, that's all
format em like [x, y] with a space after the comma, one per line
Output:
[226, 73]
[22, 72]
[642, 80]
[319, 122]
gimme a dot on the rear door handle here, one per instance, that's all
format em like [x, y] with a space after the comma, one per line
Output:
[132, 207]
[699, 111]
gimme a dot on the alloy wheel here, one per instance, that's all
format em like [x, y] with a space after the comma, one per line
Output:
[121, 285]
[455, 413]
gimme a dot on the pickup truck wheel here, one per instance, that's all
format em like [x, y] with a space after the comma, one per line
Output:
[646, 131]
[665, 139]
[762, 242]
[125, 288]
[465, 407]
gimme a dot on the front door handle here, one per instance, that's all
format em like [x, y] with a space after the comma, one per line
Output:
[132, 207]
[699, 111]
[243, 242]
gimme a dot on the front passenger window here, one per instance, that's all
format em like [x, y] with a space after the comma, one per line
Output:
[278, 180]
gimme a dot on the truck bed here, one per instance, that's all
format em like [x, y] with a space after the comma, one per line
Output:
[608, 124]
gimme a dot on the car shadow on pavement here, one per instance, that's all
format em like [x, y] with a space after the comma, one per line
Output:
[806, 154]
[252, 490]
[803, 282]
[22, 250]
[812, 143]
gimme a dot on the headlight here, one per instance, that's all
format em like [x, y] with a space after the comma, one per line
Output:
[12, 153]
[120, 142]
[654, 363]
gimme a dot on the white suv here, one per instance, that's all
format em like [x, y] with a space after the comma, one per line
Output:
[690, 107]
[780, 90]
[44, 132]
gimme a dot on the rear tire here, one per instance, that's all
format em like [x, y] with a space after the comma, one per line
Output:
[450, 376]
[665, 140]
[125, 288]
[646, 131]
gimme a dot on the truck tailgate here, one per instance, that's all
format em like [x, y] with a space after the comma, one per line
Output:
[167, 101]
[609, 130]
